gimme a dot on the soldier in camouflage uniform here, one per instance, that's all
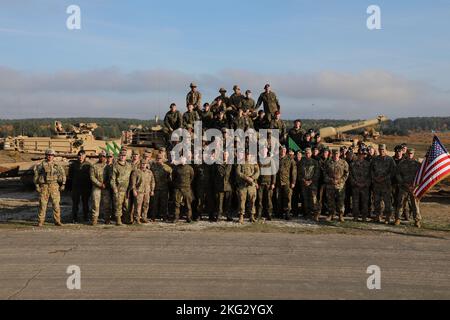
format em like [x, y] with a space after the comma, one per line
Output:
[79, 171]
[308, 178]
[270, 102]
[246, 180]
[336, 173]
[398, 157]
[360, 180]
[240, 122]
[163, 177]
[120, 180]
[203, 186]
[297, 133]
[323, 160]
[50, 180]
[236, 99]
[279, 124]
[297, 201]
[173, 120]
[266, 186]
[207, 117]
[382, 171]
[183, 176]
[286, 179]
[100, 175]
[223, 188]
[135, 165]
[222, 102]
[194, 97]
[142, 188]
[248, 104]
[406, 174]
[190, 117]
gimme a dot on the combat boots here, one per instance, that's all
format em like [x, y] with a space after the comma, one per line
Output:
[330, 218]
[40, 224]
[241, 219]
[94, 221]
[252, 218]
[119, 222]
[316, 217]
[341, 217]
[418, 224]
[397, 222]
[58, 224]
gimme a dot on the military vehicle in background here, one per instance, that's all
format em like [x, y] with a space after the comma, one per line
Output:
[348, 136]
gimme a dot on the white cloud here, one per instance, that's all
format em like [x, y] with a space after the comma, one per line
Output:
[145, 93]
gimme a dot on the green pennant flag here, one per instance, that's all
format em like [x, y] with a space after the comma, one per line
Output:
[293, 146]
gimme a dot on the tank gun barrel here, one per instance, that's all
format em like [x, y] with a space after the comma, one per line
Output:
[330, 132]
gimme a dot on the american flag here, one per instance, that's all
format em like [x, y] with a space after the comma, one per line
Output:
[434, 169]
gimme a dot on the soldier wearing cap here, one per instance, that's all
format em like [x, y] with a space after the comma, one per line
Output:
[336, 173]
[190, 117]
[405, 175]
[308, 176]
[194, 97]
[398, 157]
[142, 188]
[382, 171]
[79, 174]
[50, 180]
[120, 181]
[247, 175]
[286, 180]
[266, 186]
[163, 178]
[269, 101]
[248, 104]
[135, 165]
[279, 124]
[100, 175]
[173, 120]
[360, 180]
[222, 176]
[236, 99]
[221, 102]
[183, 176]
[220, 121]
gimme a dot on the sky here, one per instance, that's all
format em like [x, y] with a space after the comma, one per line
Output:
[133, 58]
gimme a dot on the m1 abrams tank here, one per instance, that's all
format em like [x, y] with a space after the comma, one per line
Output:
[66, 144]
[335, 138]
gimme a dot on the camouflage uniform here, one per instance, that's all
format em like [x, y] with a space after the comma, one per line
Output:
[223, 189]
[100, 174]
[270, 103]
[236, 101]
[173, 121]
[281, 126]
[79, 174]
[143, 183]
[360, 182]
[247, 189]
[240, 122]
[195, 99]
[322, 186]
[309, 171]
[265, 192]
[261, 123]
[207, 118]
[382, 170]
[203, 187]
[183, 176]
[48, 176]
[189, 119]
[120, 180]
[248, 104]
[335, 175]
[163, 177]
[406, 174]
[287, 176]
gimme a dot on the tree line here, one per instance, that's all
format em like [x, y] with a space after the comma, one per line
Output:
[112, 128]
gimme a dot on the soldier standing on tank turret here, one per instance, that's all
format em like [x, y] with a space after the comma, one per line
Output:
[79, 174]
[50, 180]
[406, 174]
[336, 173]
[100, 175]
[194, 97]
[360, 180]
[269, 101]
[382, 171]
[120, 180]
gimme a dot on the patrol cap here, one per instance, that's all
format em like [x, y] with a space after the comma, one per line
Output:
[148, 151]
[102, 154]
[411, 151]
[335, 151]
[382, 147]
[193, 85]
[236, 87]
[222, 90]
[135, 153]
[49, 152]
[326, 149]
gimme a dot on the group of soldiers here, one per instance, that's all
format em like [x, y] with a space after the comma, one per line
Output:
[311, 182]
